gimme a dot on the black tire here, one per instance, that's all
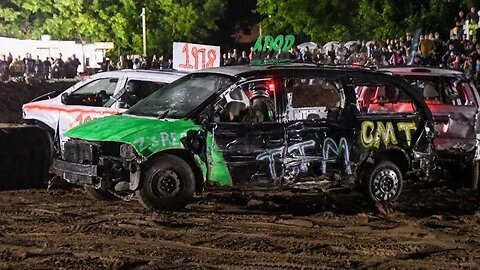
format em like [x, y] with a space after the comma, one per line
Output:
[99, 195]
[167, 184]
[385, 182]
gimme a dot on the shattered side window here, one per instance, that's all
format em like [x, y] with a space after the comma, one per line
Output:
[448, 91]
[381, 98]
[312, 98]
[314, 93]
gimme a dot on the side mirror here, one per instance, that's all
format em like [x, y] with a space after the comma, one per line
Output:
[64, 98]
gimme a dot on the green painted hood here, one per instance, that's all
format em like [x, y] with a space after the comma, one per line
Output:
[147, 135]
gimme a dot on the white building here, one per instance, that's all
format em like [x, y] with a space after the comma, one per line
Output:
[88, 54]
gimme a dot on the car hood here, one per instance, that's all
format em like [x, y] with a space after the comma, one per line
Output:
[147, 135]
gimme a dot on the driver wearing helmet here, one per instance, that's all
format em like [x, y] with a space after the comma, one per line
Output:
[262, 108]
[130, 97]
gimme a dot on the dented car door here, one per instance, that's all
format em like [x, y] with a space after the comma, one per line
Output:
[251, 147]
[319, 130]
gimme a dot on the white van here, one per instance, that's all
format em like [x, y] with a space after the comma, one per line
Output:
[100, 95]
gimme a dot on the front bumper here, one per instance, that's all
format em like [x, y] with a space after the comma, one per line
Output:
[74, 173]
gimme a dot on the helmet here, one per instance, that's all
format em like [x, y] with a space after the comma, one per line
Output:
[259, 91]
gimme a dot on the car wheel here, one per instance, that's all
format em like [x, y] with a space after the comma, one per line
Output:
[167, 184]
[385, 182]
[99, 195]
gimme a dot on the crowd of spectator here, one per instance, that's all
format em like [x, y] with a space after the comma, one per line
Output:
[461, 51]
[11, 67]
[140, 62]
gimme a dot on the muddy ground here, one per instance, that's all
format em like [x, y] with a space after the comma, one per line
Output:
[14, 94]
[432, 228]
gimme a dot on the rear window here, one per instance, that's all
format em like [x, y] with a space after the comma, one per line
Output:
[314, 93]
[447, 91]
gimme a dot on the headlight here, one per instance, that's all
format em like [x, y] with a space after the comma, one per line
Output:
[127, 151]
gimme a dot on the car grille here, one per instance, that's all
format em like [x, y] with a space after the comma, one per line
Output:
[81, 152]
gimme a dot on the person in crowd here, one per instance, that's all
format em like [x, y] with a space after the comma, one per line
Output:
[449, 56]
[227, 60]
[75, 64]
[468, 66]
[425, 48]
[10, 58]
[341, 53]
[121, 64]
[155, 64]
[223, 60]
[4, 69]
[48, 68]
[106, 65]
[70, 68]
[161, 62]
[294, 55]
[459, 23]
[243, 60]
[307, 55]
[143, 62]
[58, 67]
[318, 57]
[169, 64]
[29, 64]
[330, 54]
[397, 58]
[130, 62]
[457, 64]
[472, 28]
[39, 67]
[232, 60]
[477, 70]
[137, 64]
[17, 68]
[472, 15]
[236, 55]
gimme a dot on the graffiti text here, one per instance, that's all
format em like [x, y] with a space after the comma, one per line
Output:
[374, 134]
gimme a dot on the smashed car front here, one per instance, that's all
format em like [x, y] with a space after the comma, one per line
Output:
[108, 153]
[88, 163]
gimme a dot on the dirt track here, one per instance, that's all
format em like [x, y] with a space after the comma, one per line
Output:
[14, 94]
[235, 230]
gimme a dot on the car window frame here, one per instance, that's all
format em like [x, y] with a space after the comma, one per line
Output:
[73, 92]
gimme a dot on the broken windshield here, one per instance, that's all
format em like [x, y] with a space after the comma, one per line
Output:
[181, 97]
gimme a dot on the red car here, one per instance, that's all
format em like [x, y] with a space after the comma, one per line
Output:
[454, 103]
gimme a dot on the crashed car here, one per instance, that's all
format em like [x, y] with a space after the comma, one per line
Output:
[102, 94]
[454, 102]
[194, 134]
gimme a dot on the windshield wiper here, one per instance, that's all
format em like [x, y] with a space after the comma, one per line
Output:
[140, 113]
[163, 114]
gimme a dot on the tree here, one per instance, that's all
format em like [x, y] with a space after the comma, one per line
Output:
[320, 19]
[325, 20]
[118, 21]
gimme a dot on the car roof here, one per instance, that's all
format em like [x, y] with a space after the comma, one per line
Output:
[154, 75]
[423, 71]
[242, 70]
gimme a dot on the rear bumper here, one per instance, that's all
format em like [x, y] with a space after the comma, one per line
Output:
[74, 173]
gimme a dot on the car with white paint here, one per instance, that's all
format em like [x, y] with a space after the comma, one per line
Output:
[102, 94]
[195, 134]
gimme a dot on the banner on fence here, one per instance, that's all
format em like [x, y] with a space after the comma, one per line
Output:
[191, 57]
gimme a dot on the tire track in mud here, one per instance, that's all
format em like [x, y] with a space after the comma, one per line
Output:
[62, 229]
